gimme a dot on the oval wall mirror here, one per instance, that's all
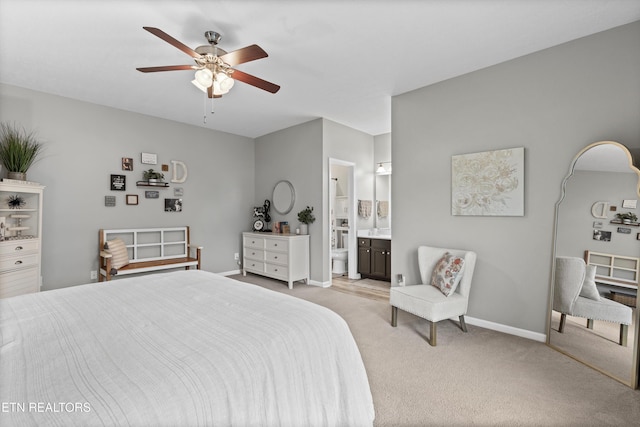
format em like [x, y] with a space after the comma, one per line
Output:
[596, 262]
[283, 198]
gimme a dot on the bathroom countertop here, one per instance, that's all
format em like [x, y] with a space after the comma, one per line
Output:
[372, 235]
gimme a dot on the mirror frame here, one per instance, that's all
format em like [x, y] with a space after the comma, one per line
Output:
[286, 209]
[634, 381]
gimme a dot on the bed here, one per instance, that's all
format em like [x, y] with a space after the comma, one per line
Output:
[186, 348]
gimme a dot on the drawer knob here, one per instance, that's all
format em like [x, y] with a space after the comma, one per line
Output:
[275, 244]
[275, 257]
[18, 248]
[18, 262]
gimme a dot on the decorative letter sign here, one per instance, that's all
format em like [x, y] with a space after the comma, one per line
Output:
[183, 175]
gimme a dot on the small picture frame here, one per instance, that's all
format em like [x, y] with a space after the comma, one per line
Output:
[629, 204]
[151, 194]
[624, 230]
[603, 236]
[149, 159]
[178, 191]
[597, 224]
[132, 199]
[638, 236]
[173, 205]
[127, 164]
[110, 201]
[118, 183]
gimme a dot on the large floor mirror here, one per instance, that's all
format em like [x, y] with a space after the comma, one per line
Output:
[596, 261]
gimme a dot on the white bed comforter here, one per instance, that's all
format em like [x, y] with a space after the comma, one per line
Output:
[186, 348]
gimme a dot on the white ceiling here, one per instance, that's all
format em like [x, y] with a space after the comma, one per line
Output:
[342, 60]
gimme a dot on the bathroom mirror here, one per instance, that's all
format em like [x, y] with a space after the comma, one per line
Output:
[283, 198]
[601, 175]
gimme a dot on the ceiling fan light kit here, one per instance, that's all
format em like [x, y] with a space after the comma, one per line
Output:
[214, 74]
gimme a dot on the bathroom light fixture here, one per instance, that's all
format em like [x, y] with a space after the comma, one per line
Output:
[382, 170]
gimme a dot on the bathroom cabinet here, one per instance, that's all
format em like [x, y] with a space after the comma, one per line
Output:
[374, 258]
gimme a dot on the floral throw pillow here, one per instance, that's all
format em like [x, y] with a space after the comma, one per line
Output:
[447, 273]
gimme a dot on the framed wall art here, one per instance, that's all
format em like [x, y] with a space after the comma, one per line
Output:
[127, 164]
[132, 199]
[118, 182]
[173, 205]
[489, 183]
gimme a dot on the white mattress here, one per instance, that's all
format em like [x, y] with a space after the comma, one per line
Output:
[186, 348]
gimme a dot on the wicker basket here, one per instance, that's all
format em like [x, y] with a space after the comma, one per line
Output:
[625, 299]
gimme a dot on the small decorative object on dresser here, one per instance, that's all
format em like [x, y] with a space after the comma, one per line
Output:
[279, 256]
[306, 217]
[18, 150]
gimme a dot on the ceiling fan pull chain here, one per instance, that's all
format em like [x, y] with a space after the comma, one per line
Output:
[212, 112]
[204, 110]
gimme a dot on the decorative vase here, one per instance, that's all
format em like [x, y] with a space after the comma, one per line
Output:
[304, 229]
[20, 176]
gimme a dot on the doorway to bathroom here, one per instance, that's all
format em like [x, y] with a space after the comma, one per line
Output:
[342, 229]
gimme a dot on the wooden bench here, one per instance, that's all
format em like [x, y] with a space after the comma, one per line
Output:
[150, 249]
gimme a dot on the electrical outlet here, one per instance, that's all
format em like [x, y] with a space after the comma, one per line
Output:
[236, 256]
[94, 275]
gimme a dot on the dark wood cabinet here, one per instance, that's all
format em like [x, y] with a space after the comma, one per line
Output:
[374, 258]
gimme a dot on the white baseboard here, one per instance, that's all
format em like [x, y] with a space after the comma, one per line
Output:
[535, 336]
[229, 273]
[321, 284]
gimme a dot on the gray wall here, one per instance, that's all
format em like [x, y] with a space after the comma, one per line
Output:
[553, 103]
[85, 144]
[575, 222]
[294, 154]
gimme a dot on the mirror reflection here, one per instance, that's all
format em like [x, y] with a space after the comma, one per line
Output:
[383, 197]
[596, 264]
[283, 198]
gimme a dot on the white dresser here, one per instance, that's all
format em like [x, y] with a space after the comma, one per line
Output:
[279, 256]
[20, 231]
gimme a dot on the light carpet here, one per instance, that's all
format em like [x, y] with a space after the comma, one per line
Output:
[482, 378]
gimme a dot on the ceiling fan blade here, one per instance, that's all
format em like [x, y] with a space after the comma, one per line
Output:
[246, 54]
[166, 37]
[254, 81]
[166, 68]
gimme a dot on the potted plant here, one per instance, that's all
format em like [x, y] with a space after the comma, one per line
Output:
[18, 150]
[152, 176]
[627, 217]
[306, 217]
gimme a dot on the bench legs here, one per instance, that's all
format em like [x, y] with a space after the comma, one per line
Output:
[563, 319]
[624, 329]
[394, 316]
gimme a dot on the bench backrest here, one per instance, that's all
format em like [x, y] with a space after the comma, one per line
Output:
[150, 244]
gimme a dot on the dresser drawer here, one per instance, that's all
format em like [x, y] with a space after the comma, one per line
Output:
[252, 265]
[278, 271]
[20, 282]
[255, 254]
[18, 246]
[12, 262]
[277, 257]
[277, 245]
[254, 242]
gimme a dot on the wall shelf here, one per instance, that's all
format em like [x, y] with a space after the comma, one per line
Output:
[152, 184]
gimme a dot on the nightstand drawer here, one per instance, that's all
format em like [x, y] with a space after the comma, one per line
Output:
[14, 283]
[12, 262]
[18, 246]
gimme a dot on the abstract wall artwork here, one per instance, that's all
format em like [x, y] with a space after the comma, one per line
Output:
[489, 183]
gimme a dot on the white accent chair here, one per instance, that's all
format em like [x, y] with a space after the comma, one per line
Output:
[569, 277]
[427, 301]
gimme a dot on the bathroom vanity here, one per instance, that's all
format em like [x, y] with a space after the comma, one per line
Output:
[374, 257]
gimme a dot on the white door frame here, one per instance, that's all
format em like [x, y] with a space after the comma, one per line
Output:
[352, 264]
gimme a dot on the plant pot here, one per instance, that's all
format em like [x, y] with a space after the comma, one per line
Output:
[20, 176]
[304, 229]
[626, 221]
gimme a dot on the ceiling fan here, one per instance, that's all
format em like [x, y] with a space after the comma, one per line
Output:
[214, 73]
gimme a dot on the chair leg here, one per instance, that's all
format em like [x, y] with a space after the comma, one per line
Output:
[463, 325]
[589, 323]
[624, 329]
[432, 335]
[394, 316]
[563, 319]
